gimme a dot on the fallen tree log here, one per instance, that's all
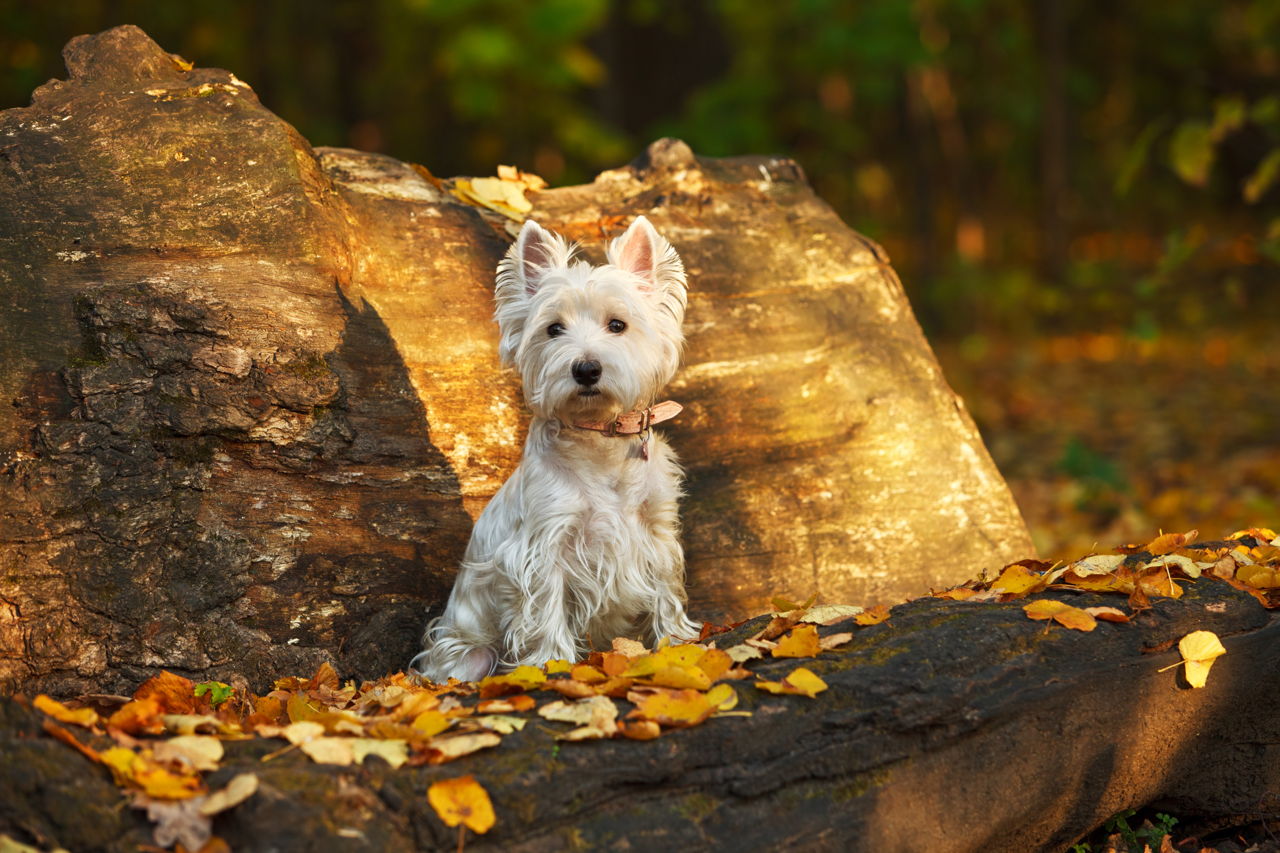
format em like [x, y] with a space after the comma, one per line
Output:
[252, 401]
[954, 726]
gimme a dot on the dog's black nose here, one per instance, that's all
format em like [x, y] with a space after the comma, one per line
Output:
[586, 372]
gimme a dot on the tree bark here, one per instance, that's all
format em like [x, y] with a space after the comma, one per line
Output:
[954, 726]
[257, 403]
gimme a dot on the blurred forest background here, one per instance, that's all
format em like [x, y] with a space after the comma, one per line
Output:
[1083, 199]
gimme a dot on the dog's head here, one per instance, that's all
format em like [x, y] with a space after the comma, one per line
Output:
[591, 341]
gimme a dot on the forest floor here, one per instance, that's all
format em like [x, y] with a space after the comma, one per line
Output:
[1105, 440]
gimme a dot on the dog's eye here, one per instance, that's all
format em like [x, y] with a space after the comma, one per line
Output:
[555, 330]
[617, 326]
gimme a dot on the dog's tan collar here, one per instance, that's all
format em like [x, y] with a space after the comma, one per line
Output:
[634, 423]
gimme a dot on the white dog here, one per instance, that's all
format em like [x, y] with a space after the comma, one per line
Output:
[581, 545]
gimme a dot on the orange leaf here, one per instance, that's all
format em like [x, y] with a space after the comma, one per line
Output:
[1170, 542]
[802, 642]
[173, 693]
[462, 801]
[680, 678]
[874, 616]
[960, 593]
[614, 663]
[1064, 614]
[639, 729]
[139, 716]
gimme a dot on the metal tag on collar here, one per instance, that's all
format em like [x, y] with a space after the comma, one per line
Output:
[644, 445]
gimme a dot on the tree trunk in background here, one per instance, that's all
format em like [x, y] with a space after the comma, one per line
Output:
[257, 404]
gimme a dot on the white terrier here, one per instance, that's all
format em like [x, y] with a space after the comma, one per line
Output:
[582, 543]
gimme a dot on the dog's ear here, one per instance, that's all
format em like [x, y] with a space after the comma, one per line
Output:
[637, 251]
[534, 253]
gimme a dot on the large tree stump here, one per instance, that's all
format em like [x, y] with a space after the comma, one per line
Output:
[257, 404]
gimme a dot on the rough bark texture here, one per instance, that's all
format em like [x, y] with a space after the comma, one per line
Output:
[257, 404]
[953, 727]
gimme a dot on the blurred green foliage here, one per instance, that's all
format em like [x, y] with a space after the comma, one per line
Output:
[1029, 164]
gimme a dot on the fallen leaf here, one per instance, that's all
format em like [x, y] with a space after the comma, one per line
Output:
[394, 752]
[1064, 614]
[239, 789]
[1199, 650]
[520, 679]
[639, 729]
[431, 723]
[629, 648]
[139, 771]
[742, 652]
[329, 750]
[462, 801]
[1017, 580]
[449, 747]
[173, 693]
[723, 697]
[960, 593]
[874, 616]
[833, 641]
[1107, 614]
[500, 723]
[1169, 542]
[1259, 577]
[1097, 564]
[802, 642]
[675, 708]
[199, 752]
[557, 666]
[513, 704]
[801, 682]
[830, 614]
[86, 717]
[140, 716]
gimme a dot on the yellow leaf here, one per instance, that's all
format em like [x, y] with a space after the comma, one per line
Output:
[680, 678]
[723, 697]
[86, 717]
[802, 642]
[520, 679]
[1016, 580]
[1063, 614]
[1259, 577]
[960, 593]
[139, 771]
[670, 707]
[801, 682]
[430, 723]
[462, 800]
[557, 666]
[587, 674]
[715, 663]
[1199, 650]
[394, 752]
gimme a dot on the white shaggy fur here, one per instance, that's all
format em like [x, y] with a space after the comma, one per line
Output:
[581, 545]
